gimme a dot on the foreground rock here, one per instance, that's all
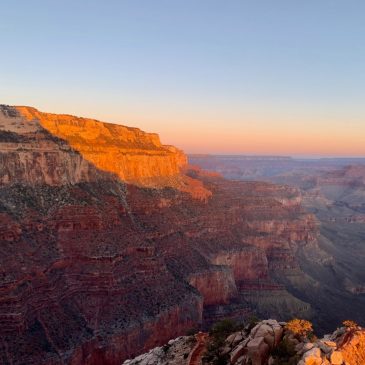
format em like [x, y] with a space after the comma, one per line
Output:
[346, 346]
[175, 352]
[253, 346]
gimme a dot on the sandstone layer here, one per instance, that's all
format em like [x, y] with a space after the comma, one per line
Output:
[333, 189]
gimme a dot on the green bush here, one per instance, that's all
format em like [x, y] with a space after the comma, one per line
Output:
[191, 331]
[284, 349]
[218, 334]
[252, 322]
[223, 328]
[285, 354]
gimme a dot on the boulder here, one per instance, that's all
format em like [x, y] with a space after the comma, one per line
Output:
[266, 331]
[230, 338]
[271, 322]
[308, 346]
[339, 332]
[312, 357]
[258, 351]
[291, 339]
[301, 348]
[326, 349]
[237, 353]
[277, 329]
[325, 362]
[238, 337]
[278, 332]
[336, 358]
[226, 350]
[330, 343]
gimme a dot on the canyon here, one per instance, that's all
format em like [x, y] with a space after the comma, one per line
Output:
[112, 244]
[333, 190]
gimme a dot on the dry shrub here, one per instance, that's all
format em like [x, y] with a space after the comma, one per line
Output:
[299, 327]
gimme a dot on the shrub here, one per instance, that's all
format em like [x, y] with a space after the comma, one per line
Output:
[213, 354]
[349, 324]
[191, 331]
[252, 322]
[299, 327]
[284, 349]
[219, 332]
[285, 354]
[312, 337]
[223, 328]
[165, 348]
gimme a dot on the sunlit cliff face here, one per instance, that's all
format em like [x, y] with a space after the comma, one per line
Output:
[111, 147]
[134, 156]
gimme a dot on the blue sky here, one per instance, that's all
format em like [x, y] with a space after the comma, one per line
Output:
[285, 77]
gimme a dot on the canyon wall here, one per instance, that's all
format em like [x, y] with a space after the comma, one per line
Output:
[216, 285]
[133, 155]
[333, 189]
[109, 247]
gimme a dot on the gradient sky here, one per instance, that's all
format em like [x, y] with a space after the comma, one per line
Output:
[228, 76]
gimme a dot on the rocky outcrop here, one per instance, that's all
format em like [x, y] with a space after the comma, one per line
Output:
[344, 346]
[352, 346]
[251, 345]
[175, 352]
[270, 342]
[267, 343]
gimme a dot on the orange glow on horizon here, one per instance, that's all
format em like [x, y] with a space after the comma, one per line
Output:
[261, 137]
[217, 131]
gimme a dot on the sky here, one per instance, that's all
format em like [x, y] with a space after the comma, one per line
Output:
[284, 77]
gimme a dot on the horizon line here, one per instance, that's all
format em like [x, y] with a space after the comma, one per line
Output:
[268, 156]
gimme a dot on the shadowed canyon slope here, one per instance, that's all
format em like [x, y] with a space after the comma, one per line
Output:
[333, 189]
[111, 244]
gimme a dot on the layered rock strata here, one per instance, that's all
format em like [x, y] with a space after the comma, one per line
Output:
[107, 249]
[133, 155]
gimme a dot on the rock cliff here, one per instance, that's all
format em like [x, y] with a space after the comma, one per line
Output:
[110, 247]
[133, 155]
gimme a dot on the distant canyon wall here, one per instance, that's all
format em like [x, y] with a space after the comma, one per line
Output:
[57, 149]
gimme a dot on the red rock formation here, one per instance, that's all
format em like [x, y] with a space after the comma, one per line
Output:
[96, 270]
[247, 264]
[352, 346]
[60, 149]
[133, 155]
[217, 285]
